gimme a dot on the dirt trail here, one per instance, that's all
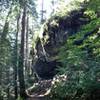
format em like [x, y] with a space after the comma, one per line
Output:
[41, 92]
[37, 98]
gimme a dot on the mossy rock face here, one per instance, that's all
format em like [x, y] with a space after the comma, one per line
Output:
[55, 32]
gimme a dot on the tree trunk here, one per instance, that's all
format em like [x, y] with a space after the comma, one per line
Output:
[42, 12]
[16, 60]
[27, 46]
[21, 57]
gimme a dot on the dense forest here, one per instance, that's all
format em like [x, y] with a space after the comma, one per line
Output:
[49, 49]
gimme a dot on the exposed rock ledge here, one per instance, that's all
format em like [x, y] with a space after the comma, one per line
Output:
[55, 32]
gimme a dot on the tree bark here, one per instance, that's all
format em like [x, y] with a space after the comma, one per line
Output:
[16, 60]
[21, 57]
[27, 46]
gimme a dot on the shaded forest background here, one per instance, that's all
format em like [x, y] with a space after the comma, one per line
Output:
[59, 54]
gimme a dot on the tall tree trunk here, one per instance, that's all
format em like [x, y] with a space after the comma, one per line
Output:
[42, 12]
[53, 4]
[16, 60]
[27, 46]
[21, 57]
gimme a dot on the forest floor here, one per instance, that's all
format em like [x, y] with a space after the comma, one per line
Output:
[37, 98]
[40, 91]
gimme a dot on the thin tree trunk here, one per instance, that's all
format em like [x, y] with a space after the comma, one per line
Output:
[27, 46]
[16, 60]
[21, 57]
[42, 12]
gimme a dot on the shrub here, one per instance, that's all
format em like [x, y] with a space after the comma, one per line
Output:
[80, 64]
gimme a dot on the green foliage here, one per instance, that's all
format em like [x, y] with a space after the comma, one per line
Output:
[80, 62]
[64, 9]
[94, 5]
[82, 72]
[5, 62]
[91, 14]
[19, 98]
[11, 11]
